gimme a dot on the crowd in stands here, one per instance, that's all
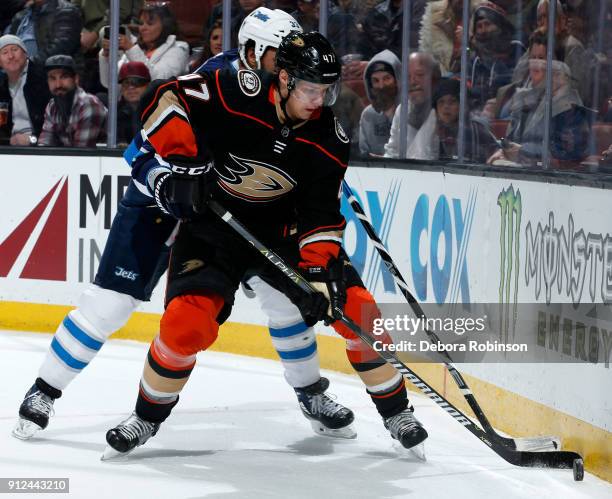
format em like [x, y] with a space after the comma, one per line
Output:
[54, 72]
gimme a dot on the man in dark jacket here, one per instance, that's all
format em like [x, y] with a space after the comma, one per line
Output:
[49, 27]
[8, 8]
[24, 87]
[494, 53]
[383, 25]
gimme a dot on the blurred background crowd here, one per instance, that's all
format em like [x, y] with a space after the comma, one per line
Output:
[481, 89]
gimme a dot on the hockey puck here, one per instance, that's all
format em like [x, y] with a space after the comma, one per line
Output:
[578, 468]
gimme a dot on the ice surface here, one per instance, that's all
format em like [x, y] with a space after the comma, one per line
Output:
[238, 432]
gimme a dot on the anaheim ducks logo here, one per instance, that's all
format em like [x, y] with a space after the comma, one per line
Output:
[191, 265]
[253, 180]
[298, 41]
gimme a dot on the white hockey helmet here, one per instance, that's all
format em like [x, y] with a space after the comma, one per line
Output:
[266, 27]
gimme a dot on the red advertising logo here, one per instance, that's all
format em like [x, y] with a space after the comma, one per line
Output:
[47, 259]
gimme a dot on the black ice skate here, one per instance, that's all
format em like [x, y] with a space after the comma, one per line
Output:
[326, 417]
[34, 413]
[408, 431]
[127, 435]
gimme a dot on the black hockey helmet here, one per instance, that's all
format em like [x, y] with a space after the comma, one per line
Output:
[309, 57]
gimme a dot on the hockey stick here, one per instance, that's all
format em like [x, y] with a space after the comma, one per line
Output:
[528, 443]
[551, 459]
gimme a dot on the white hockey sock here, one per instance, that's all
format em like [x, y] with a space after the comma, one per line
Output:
[294, 341]
[83, 332]
[73, 346]
[297, 348]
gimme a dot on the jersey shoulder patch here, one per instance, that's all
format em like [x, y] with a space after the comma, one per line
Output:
[340, 133]
[249, 82]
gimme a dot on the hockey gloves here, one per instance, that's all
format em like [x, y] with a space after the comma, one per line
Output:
[328, 303]
[182, 193]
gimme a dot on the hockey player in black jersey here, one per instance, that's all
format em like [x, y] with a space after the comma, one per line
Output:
[278, 157]
[140, 240]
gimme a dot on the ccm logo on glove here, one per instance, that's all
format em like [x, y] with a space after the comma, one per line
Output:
[195, 170]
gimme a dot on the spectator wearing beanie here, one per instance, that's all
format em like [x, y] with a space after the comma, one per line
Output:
[23, 85]
[494, 53]
[134, 78]
[479, 145]
[381, 85]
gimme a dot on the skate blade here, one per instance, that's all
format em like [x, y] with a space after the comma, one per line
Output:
[25, 429]
[347, 432]
[538, 444]
[114, 455]
[417, 451]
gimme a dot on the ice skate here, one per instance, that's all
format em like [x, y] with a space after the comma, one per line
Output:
[408, 431]
[34, 413]
[326, 417]
[128, 435]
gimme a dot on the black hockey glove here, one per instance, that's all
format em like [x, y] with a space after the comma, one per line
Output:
[183, 193]
[328, 304]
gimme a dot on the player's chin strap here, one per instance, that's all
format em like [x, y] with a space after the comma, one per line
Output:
[283, 100]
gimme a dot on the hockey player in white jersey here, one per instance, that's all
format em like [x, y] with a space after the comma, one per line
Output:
[139, 240]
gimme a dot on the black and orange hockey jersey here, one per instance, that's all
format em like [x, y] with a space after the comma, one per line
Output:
[270, 175]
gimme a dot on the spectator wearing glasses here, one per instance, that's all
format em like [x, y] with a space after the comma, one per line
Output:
[157, 45]
[73, 118]
[134, 78]
[24, 92]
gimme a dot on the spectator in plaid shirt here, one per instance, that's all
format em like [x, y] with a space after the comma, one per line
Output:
[73, 117]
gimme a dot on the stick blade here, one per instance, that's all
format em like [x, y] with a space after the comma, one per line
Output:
[538, 444]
